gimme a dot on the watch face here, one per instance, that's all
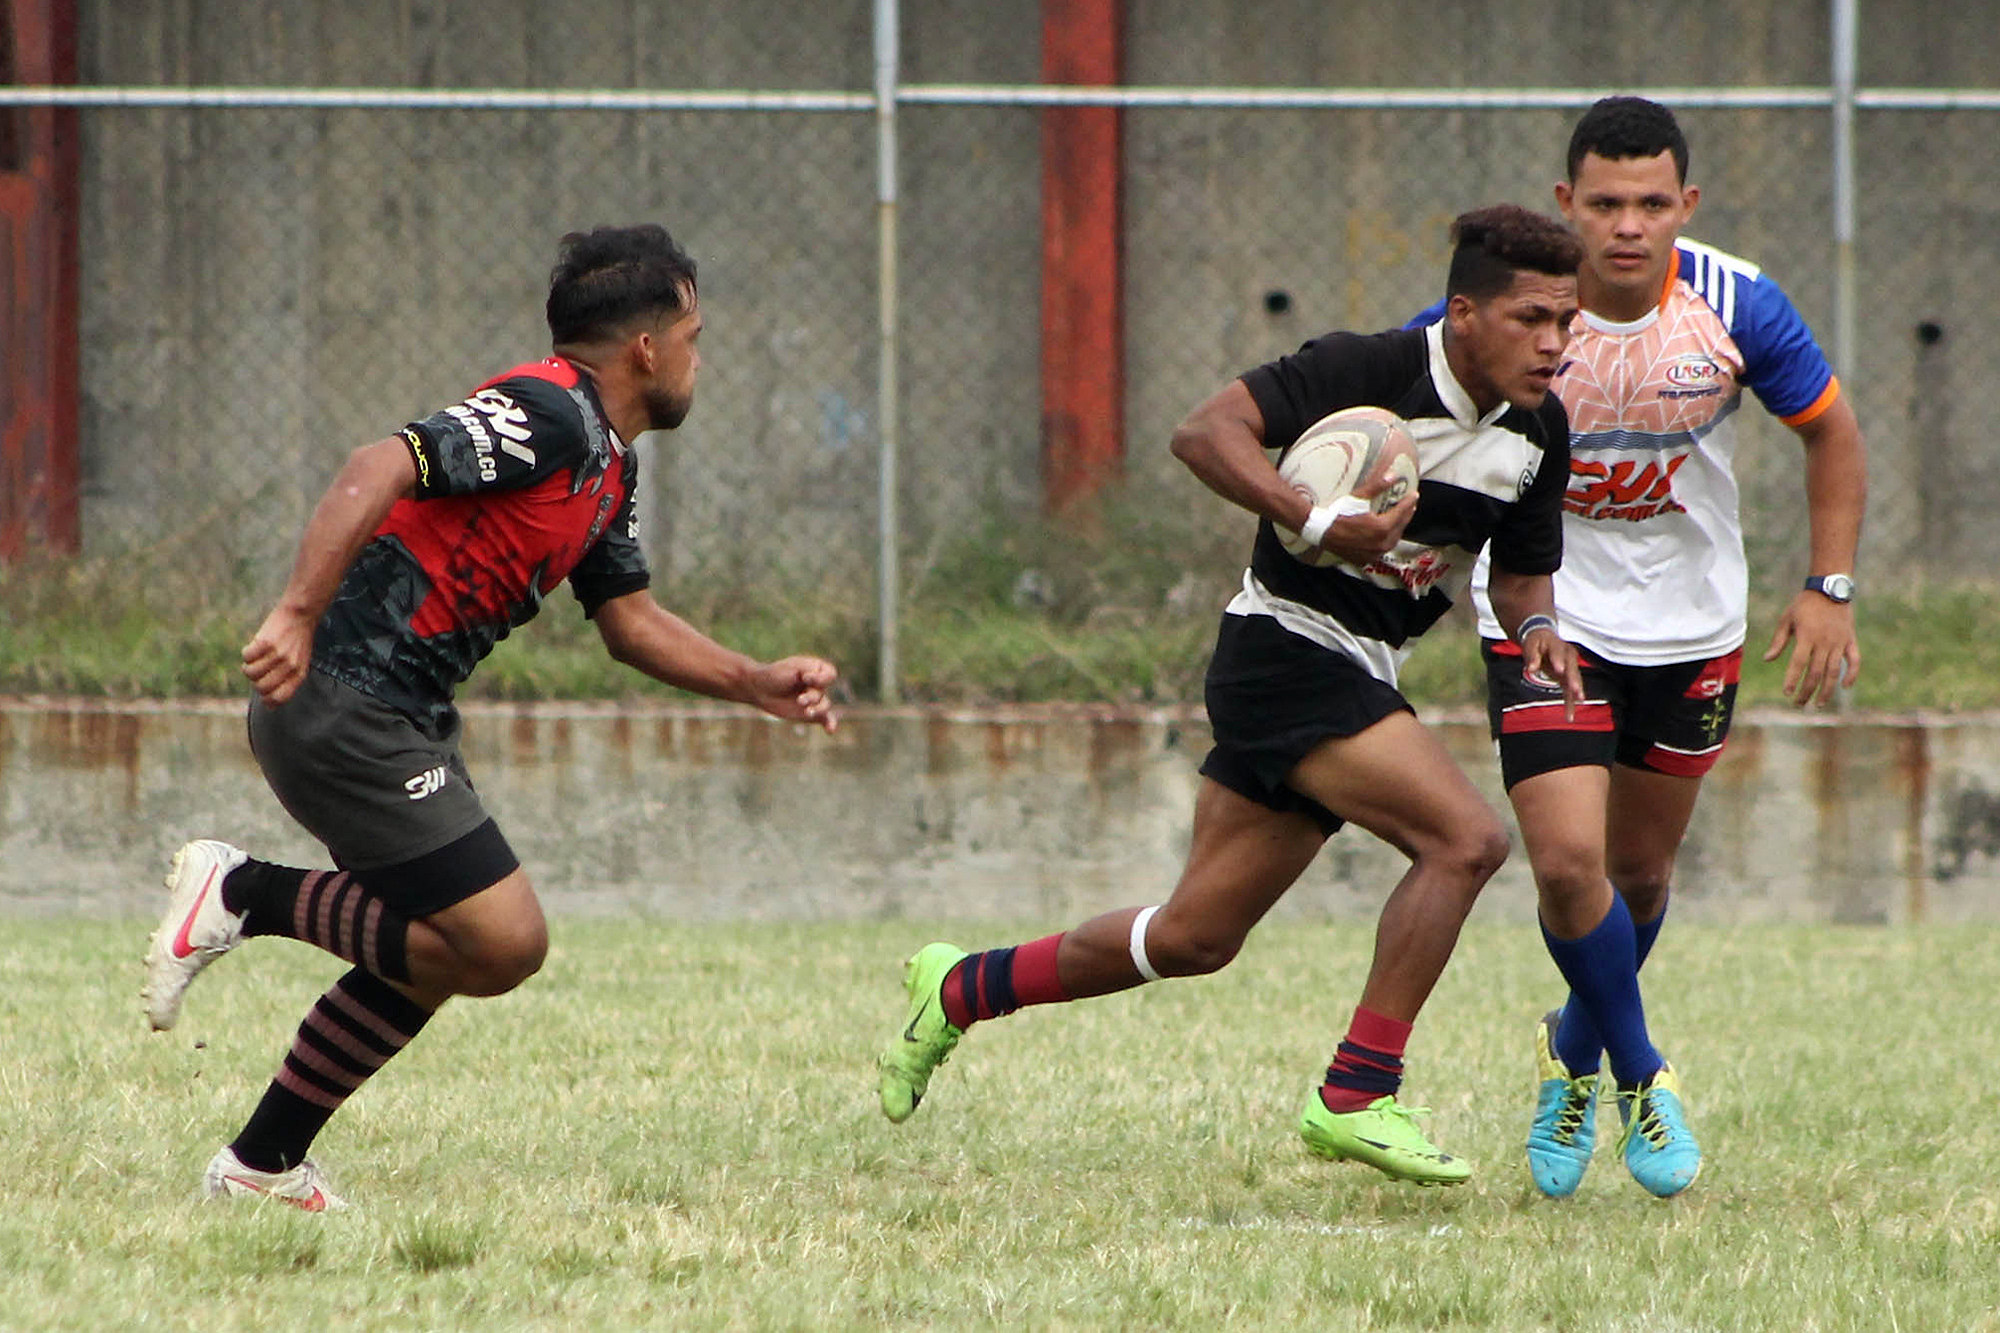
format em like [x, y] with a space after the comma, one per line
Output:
[1837, 586]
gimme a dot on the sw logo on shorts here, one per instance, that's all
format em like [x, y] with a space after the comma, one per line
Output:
[430, 780]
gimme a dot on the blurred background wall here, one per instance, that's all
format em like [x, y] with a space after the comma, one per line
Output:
[261, 288]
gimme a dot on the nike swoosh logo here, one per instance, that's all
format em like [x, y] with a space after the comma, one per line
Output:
[181, 946]
[315, 1203]
[910, 1032]
[1385, 1147]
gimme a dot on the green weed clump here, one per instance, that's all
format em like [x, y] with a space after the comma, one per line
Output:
[1118, 613]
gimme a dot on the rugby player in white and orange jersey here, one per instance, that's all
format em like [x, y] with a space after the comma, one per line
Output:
[1653, 590]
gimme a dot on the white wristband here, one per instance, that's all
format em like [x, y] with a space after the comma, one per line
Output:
[1324, 516]
[1529, 624]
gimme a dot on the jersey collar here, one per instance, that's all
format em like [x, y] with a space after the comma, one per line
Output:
[589, 385]
[1450, 392]
[1626, 328]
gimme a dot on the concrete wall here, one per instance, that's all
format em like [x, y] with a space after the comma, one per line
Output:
[1042, 815]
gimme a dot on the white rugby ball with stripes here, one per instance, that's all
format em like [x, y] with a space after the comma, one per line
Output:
[1338, 455]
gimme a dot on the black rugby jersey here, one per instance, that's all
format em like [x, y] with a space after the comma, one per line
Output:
[523, 484]
[1495, 478]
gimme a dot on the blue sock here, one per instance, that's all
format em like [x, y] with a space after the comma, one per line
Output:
[1576, 1035]
[1602, 969]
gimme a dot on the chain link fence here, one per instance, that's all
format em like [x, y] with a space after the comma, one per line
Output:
[265, 287]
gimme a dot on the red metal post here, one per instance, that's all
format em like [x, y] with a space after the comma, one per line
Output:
[1083, 348]
[38, 287]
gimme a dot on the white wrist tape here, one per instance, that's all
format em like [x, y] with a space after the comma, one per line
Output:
[1139, 959]
[1324, 516]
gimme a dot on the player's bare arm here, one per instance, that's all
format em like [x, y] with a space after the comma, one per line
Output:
[1530, 599]
[1825, 649]
[1222, 443]
[374, 478]
[644, 635]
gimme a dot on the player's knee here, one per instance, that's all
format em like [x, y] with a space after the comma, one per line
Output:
[1177, 950]
[1644, 889]
[1565, 874]
[503, 960]
[1474, 852]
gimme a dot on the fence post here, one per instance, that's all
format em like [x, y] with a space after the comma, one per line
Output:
[1083, 354]
[1843, 185]
[39, 469]
[887, 408]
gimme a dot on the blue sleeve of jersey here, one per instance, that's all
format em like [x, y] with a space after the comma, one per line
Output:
[1781, 361]
[1426, 317]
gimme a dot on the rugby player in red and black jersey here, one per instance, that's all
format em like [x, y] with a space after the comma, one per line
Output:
[428, 548]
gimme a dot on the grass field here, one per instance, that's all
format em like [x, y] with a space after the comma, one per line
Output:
[675, 1128]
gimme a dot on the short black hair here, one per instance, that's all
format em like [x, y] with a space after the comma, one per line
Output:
[1490, 245]
[1620, 127]
[607, 279]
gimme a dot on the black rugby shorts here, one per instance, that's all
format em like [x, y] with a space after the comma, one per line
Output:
[1273, 696]
[1670, 719]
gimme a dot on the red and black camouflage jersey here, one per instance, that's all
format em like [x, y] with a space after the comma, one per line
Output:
[518, 487]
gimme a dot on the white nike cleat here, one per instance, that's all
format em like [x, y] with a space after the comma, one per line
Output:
[196, 930]
[303, 1187]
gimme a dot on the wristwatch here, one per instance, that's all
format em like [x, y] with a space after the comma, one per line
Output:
[1833, 587]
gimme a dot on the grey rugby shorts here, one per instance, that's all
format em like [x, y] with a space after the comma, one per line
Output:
[379, 790]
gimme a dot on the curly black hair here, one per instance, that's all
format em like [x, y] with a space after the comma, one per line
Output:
[607, 279]
[1489, 245]
[1618, 127]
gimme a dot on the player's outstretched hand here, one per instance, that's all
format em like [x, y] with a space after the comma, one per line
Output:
[1825, 652]
[796, 689]
[279, 654]
[1547, 656]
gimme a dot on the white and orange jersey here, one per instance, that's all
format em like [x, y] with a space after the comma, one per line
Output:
[1653, 569]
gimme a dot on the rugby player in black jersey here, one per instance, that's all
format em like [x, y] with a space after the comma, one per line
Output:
[1309, 728]
[429, 547]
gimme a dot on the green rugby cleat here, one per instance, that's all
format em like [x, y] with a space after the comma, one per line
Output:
[1660, 1150]
[1384, 1135]
[1564, 1130]
[926, 1039]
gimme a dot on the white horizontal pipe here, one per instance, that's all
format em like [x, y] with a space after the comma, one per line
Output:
[945, 94]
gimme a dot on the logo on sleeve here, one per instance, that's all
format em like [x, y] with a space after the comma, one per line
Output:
[421, 454]
[491, 419]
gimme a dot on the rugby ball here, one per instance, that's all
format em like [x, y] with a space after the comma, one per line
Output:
[1342, 453]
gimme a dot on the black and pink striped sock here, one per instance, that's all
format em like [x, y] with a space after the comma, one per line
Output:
[327, 908]
[1368, 1065]
[350, 1033]
[999, 981]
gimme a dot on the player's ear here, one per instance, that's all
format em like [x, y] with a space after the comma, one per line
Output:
[1565, 196]
[644, 352]
[1690, 196]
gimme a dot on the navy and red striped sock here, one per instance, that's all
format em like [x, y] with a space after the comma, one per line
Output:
[999, 981]
[1369, 1063]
